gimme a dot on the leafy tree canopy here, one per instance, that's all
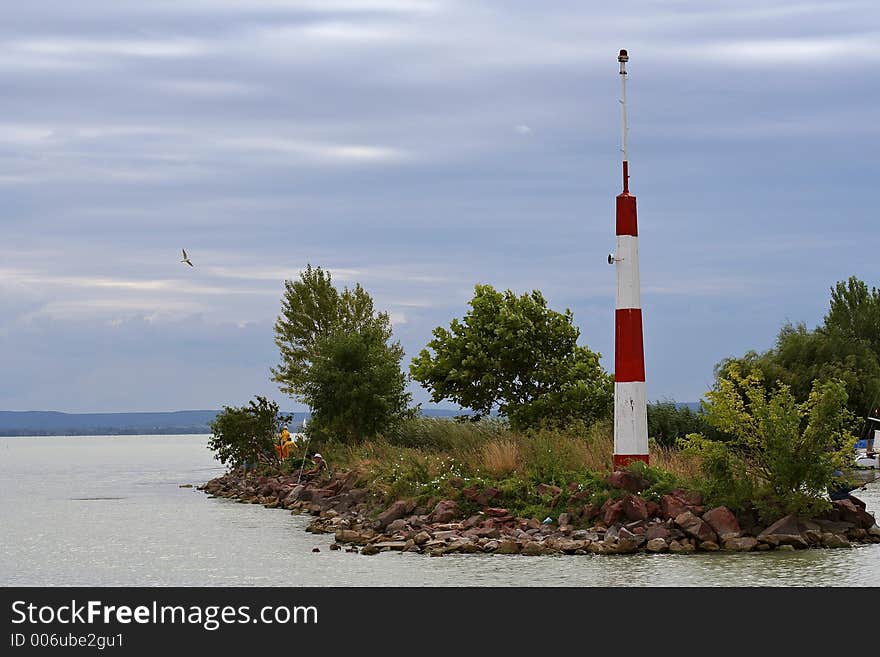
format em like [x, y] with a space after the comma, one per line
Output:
[311, 309]
[513, 354]
[846, 347]
[355, 385]
[337, 357]
[247, 433]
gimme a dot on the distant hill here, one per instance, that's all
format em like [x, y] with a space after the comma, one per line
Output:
[53, 423]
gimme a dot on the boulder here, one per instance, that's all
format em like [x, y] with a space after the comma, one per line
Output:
[627, 545]
[785, 531]
[421, 538]
[294, 494]
[627, 481]
[564, 519]
[370, 549]
[695, 527]
[635, 508]
[855, 513]
[497, 512]
[590, 511]
[709, 546]
[830, 540]
[671, 506]
[834, 526]
[473, 521]
[681, 547]
[625, 535]
[464, 546]
[723, 522]
[656, 545]
[507, 547]
[812, 536]
[533, 549]
[445, 511]
[398, 525]
[548, 489]
[740, 544]
[657, 531]
[392, 513]
[570, 546]
[351, 536]
[391, 545]
[612, 511]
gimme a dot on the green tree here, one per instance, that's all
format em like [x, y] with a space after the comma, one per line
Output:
[801, 357]
[337, 356]
[667, 422]
[311, 309]
[247, 433]
[513, 354]
[845, 347]
[788, 450]
[855, 313]
[355, 385]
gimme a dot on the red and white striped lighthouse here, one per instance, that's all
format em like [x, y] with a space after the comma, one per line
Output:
[630, 409]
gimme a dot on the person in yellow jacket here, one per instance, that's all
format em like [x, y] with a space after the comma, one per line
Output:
[283, 449]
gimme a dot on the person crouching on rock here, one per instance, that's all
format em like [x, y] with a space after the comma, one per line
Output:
[320, 465]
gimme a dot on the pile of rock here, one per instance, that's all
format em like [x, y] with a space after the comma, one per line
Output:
[680, 523]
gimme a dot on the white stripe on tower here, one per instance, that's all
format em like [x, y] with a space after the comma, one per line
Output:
[630, 404]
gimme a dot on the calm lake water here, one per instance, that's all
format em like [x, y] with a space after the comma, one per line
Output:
[109, 511]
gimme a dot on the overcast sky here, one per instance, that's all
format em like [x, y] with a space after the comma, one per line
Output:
[417, 147]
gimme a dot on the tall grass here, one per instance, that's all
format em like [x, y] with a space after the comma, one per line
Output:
[434, 457]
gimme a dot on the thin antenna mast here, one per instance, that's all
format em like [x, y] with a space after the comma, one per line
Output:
[623, 58]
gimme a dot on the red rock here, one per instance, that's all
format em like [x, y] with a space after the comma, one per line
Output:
[590, 511]
[473, 521]
[635, 508]
[612, 511]
[856, 514]
[445, 511]
[564, 519]
[548, 490]
[627, 481]
[723, 522]
[657, 531]
[392, 513]
[785, 531]
[653, 509]
[672, 506]
[496, 512]
[695, 527]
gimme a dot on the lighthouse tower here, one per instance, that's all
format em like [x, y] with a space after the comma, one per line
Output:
[630, 410]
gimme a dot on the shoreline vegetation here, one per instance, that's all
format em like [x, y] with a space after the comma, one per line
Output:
[444, 487]
[767, 462]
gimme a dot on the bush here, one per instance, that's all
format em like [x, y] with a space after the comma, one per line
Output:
[247, 433]
[668, 422]
[782, 453]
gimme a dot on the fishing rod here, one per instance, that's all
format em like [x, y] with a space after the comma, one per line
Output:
[302, 463]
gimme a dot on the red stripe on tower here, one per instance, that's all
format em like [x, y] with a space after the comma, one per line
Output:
[630, 404]
[629, 359]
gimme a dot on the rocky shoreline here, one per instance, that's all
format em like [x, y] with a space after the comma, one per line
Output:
[623, 525]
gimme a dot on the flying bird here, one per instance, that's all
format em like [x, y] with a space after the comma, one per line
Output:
[186, 259]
